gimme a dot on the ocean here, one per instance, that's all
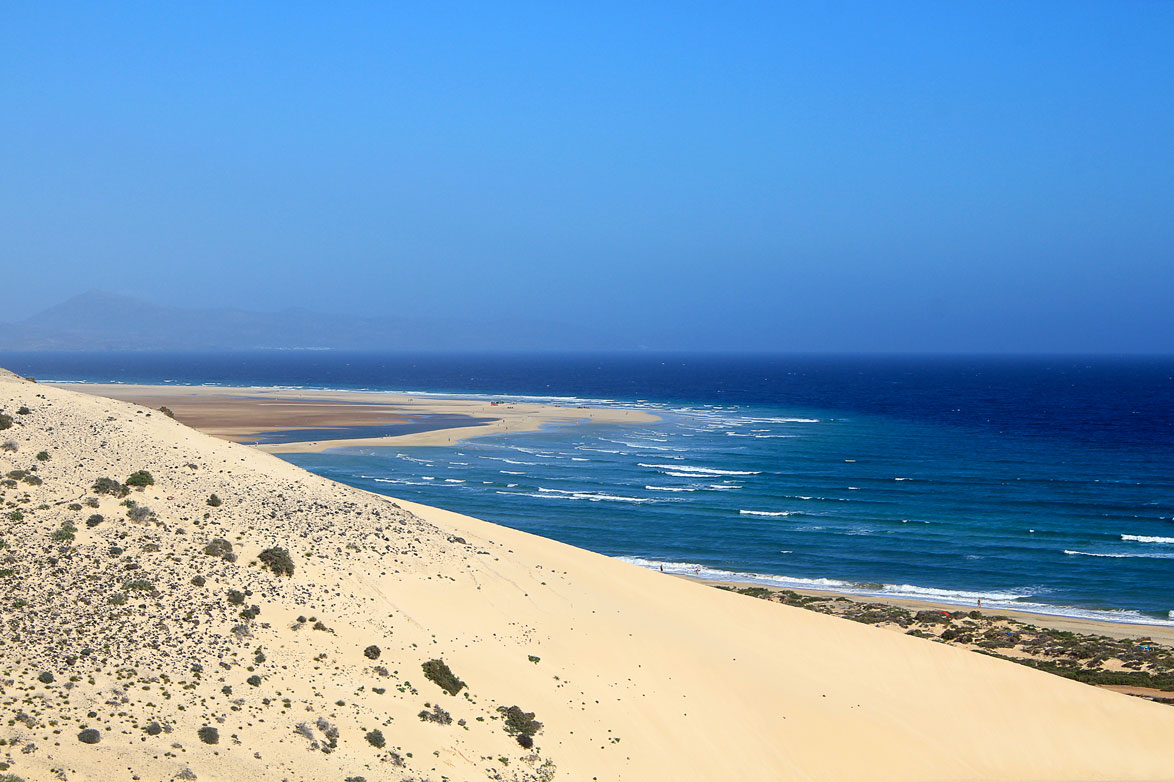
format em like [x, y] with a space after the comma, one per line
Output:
[1042, 484]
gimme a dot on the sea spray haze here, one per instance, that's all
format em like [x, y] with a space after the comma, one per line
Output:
[1042, 482]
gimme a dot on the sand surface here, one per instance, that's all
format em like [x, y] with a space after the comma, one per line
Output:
[235, 413]
[633, 675]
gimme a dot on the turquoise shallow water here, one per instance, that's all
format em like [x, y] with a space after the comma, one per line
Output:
[1044, 483]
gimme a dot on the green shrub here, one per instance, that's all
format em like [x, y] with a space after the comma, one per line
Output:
[198, 581]
[139, 585]
[22, 410]
[166, 411]
[437, 672]
[236, 597]
[42, 456]
[254, 680]
[371, 652]
[94, 520]
[45, 677]
[89, 736]
[375, 739]
[15, 515]
[5, 422]
[219, 547]
[109, 486]
[518, 722]
[278, 560]
[214, 501]
[209, 735]
[61, 536]
[140, 479]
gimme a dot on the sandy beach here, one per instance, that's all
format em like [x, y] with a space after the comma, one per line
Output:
[240, 413]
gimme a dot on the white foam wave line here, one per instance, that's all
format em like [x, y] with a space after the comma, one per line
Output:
[1106, 555]
[552, 494]
[1007, 599]
[1147, 539]
[700, 471]
[745, 512]
[667, 488]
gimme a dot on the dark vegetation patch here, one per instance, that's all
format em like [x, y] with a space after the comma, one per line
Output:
[140, 479]
[520, 724]
[438, 672]
[278, 560]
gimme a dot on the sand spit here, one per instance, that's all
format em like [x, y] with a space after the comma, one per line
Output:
[235, 413]
[126, 632]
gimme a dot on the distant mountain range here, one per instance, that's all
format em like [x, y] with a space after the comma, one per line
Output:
[104, 321]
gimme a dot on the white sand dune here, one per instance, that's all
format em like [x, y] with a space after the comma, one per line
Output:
[633, 675]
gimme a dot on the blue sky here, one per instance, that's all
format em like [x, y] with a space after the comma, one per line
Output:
[993, 177]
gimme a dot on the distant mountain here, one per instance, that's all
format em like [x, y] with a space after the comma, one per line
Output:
[104, 321]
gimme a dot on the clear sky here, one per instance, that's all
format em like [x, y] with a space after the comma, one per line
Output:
[825, 176]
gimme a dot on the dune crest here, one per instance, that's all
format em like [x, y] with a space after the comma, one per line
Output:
[154, 631]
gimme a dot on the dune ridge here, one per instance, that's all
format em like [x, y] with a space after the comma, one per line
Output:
[633, 675]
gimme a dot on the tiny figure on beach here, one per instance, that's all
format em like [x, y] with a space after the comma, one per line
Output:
[662, 568]
[697, 571]
[980, 602]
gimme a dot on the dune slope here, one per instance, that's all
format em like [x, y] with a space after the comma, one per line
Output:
[129, 643]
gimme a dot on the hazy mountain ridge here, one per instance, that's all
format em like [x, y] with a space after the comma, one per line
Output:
[104, 321]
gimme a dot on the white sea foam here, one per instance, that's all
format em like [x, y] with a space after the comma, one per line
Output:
[587, 496]
[1147, 539]
[668, 488]
[1072, 553]
[698, 471]
[745, 512]
[511, 472]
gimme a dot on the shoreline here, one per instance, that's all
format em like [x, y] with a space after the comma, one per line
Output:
[205, 408]
[1075, 624]
[239, 413]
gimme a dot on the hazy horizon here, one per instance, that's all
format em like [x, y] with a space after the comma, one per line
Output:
[858, 178]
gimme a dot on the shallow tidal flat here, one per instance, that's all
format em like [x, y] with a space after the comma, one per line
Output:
[295, 420]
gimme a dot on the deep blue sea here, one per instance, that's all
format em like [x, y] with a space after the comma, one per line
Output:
[1042, 484]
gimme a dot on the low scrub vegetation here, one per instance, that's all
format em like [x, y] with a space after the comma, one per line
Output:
[438, 672]
[278, 560]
